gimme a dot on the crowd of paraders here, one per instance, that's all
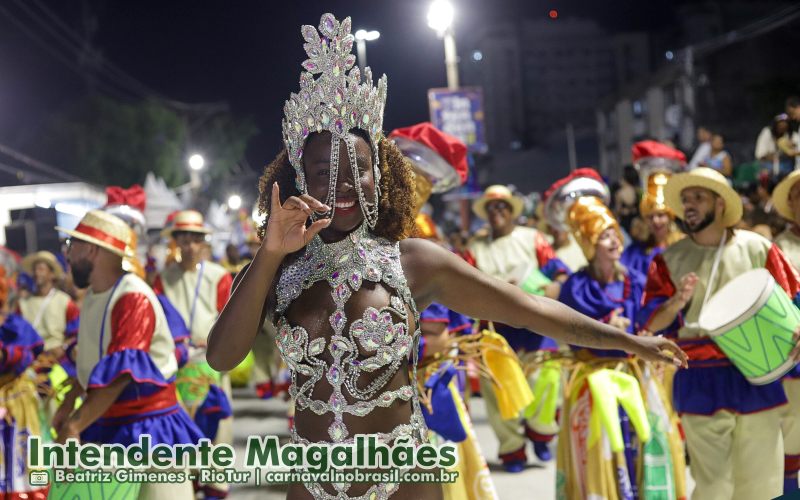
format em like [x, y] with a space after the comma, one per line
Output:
[635, 331]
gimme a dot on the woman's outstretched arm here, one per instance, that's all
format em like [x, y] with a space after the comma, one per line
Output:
[437, 275]
[233, 333]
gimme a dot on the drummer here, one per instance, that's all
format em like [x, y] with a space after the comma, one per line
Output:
[732, 427]
[786, 199]
[609, 292]
[51, 311]
[505, 248]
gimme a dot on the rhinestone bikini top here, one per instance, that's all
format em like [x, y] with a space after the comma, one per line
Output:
[345, 265]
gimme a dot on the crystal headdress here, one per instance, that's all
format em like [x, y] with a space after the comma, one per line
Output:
[336, 102]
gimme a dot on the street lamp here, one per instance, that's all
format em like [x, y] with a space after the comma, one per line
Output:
[440, 15]
[362, 37]
[440, 19]
[235, 202]
[196, 162]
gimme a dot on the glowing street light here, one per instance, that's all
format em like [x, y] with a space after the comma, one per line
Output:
[235, 202]
[196, 162]
[362, 37]
[440, 18]
[367, 35]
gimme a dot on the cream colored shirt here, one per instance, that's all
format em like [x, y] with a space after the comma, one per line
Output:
[744, 252]
[92, 346]
[789, 243]
[572, 255]
[180, 286]
[48, 315]
[502, 256]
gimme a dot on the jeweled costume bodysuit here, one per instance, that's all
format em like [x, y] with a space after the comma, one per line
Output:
[349, 353]
[358, 361]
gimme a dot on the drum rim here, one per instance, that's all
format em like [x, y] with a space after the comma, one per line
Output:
[773, 375]
[766, 292]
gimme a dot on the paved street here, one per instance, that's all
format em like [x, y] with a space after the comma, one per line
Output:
[255, 417]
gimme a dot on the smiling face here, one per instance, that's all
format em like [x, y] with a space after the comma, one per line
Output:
[608, 247]
[43, 274]
[500, 215]
[701, 207]
[317, 164]
[658, 223]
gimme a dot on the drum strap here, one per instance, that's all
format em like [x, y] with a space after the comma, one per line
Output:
[712, 276]
[715, 266]
[40, 313]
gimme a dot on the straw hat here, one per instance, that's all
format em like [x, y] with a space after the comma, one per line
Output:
[710, 179]
[190, 221]
[497, 192]
[653, 199]
[780, 195]
[104, 230]
[29, 262]
[588, 218]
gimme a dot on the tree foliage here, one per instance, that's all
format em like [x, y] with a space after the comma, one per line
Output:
[110, 142]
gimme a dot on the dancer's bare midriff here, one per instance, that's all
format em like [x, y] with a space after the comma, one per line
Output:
[311, 311]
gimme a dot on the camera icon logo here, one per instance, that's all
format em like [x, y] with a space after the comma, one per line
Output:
[38, 478]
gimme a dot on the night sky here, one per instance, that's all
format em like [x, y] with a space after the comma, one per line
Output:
[248, 53]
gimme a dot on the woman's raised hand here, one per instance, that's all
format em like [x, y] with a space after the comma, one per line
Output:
[286, 228]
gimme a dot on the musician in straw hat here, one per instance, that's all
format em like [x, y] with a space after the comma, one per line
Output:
[51, 312]
[507, 248]
[129, 383]
[732, 427]
[786, 200]
[199, 289]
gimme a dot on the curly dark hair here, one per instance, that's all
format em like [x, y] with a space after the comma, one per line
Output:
[396, 203]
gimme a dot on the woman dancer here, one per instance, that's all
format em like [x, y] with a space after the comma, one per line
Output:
[344, 290]
[642, 463]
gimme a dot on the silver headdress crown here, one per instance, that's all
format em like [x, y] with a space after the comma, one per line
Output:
[336, 102]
